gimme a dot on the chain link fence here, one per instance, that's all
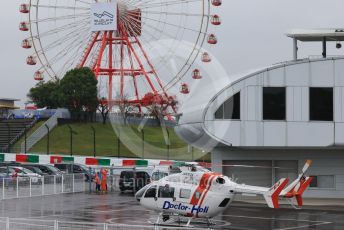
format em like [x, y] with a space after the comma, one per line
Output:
[21, 187]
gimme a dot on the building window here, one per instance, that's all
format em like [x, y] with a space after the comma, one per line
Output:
[230, 109]
[274, 103]
[322, 181]
[321, 104]
[219, 113]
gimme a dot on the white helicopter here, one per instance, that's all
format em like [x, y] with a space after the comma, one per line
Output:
[207, 194]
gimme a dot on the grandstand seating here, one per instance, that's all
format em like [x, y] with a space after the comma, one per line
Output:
[12, 130]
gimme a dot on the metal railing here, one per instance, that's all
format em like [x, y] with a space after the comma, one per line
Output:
[37, 224]
[42, 131]
[21, 187]
[24, 129]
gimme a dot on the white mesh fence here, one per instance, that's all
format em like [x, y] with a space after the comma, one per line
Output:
[35, 224]
[21, 187]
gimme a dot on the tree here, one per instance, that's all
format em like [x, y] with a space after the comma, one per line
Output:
[46, 94]
[125, 107]
[103, 108]
[159, 107]
[79, 92]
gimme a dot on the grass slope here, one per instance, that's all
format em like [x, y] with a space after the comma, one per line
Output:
[107, 142]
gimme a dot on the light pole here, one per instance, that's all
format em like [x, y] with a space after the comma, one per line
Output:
[48, 139]
[71, 139]
[192, 153]
[94, 140]
[8, 137]
[25, 137]
[119, 144]
[168, 144]
[143, 143]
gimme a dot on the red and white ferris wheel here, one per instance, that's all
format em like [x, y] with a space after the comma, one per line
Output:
[121, 41]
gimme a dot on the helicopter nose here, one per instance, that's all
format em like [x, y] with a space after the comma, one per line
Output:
[140, 193]
[138, 197]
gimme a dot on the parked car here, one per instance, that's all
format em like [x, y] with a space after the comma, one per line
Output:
[34, 169]
[126, 181]
[47, 169]
[4, 173]
[163, 171]
[157, 175]
[9, 163]
[75, 168]
[21, 172]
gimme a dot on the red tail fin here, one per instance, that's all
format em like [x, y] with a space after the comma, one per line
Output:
[271, 196]
[302, 188]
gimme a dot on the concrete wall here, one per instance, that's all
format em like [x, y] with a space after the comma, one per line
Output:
[325, 162]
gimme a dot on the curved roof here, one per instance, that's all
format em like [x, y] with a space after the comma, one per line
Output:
[193, 107]
[191, 125]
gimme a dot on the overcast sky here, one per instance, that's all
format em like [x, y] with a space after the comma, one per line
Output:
[251, 36]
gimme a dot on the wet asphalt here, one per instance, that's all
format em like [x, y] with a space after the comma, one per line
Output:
[122, 208]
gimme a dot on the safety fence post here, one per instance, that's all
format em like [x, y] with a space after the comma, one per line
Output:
[73, 183]
[42, 186]
[7, 223]
[62, 183]
[3, 188]
[56, 225]
[30, 187]
[134, 179]
[84, 186]
[90, 180]
[17, 187]
[54, 184]
[105, 226]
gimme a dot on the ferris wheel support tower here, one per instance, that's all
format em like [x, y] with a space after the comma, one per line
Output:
[125, 40]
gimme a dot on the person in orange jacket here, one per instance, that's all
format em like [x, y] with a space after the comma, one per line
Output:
[97, 181]
[103, 182]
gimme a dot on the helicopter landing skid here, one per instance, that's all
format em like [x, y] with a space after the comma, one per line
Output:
[173, 220]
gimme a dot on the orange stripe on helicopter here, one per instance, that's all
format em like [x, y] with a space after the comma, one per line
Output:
[206, 191]
[202, 187]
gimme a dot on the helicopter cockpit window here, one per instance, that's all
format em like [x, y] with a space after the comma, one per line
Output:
[220, 180]
[151, 192]
[166, 192]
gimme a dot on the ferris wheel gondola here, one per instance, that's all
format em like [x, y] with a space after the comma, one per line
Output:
[206, 57]
[196, 74]
[26, 44]
[215, 20]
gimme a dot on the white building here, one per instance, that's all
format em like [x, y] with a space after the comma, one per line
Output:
[277, 116]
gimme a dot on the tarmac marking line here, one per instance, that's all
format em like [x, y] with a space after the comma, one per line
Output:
[305, 226]
[113, 210]
[34, 225]
[37, 217]
[270, 218]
